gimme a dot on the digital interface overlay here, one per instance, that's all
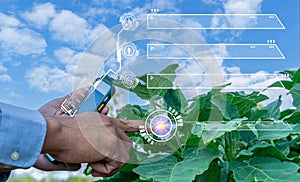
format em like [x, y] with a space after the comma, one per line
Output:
[138, 52]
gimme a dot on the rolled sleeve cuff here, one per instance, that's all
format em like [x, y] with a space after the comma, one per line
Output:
[22, 134]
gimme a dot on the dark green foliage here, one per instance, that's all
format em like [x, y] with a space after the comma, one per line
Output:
[229, 136]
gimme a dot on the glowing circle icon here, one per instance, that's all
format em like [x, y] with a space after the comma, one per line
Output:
[129, 21]
[129, 80]
[129, 51]
[161, 126]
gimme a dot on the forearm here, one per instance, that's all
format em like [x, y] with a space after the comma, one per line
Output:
[22, 134]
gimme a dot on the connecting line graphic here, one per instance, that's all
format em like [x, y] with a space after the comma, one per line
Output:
[73, 108]
[214, 21]
[214, 51]
[119, 57]
[219, 126]
[208, 81]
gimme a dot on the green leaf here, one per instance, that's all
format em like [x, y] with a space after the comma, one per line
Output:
[237, 104]
[170, 70]
[282, 83]
[273, 110]
[296, 101]
[121, 176]
[207, 110]
[295, 91]
[296, 77]
[257, 114]
[175, 99]
[213, 173]
[129, 112]
[289, 73]
[198, 128]
[284, 114]
[256, 97]
[196, 161]
[229, 111]
[243, 152]
[193, 142]
[250, 135]
[264, 169]
[260, 145]
[268, 150]
[215, 130]
[141, 89]
[274, 131]
[294, 118]
[191, 111]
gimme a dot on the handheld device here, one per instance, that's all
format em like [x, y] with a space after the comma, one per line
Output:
[94, 98]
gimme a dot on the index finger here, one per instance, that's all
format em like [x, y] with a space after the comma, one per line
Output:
[128, 125]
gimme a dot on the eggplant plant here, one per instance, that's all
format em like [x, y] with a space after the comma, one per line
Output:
[247, 141]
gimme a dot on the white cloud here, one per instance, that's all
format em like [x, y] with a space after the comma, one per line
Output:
[242, 6]
[7, 21]
[73, 29]
[69, 27]
[212, 2]
[5, 78]
[40, 14]
[260, 79]
[17, 39]
[112, 8]
[102, 13]
[166, 5]
[12, 93]
[21, 41]
[2, 68]
[113, 3]
[47, 79]
[233, 70]
[96, 32]
[233, 7]
[77, 66]
[65, 55]
[69, 58]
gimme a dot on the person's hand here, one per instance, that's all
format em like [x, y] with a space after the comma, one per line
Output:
[53, 108]
[110, 165]
[92, 138]
[45, 165]
[87, 138]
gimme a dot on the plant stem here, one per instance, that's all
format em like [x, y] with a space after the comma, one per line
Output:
[226, 147]
[230, 146]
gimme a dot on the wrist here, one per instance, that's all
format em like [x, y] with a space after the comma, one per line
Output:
[51, 142]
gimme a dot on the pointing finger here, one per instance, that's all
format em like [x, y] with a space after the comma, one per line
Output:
[128, 125]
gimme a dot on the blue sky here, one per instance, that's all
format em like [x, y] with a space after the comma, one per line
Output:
[40, 41]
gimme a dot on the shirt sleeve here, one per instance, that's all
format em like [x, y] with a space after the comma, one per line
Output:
[22, 134]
